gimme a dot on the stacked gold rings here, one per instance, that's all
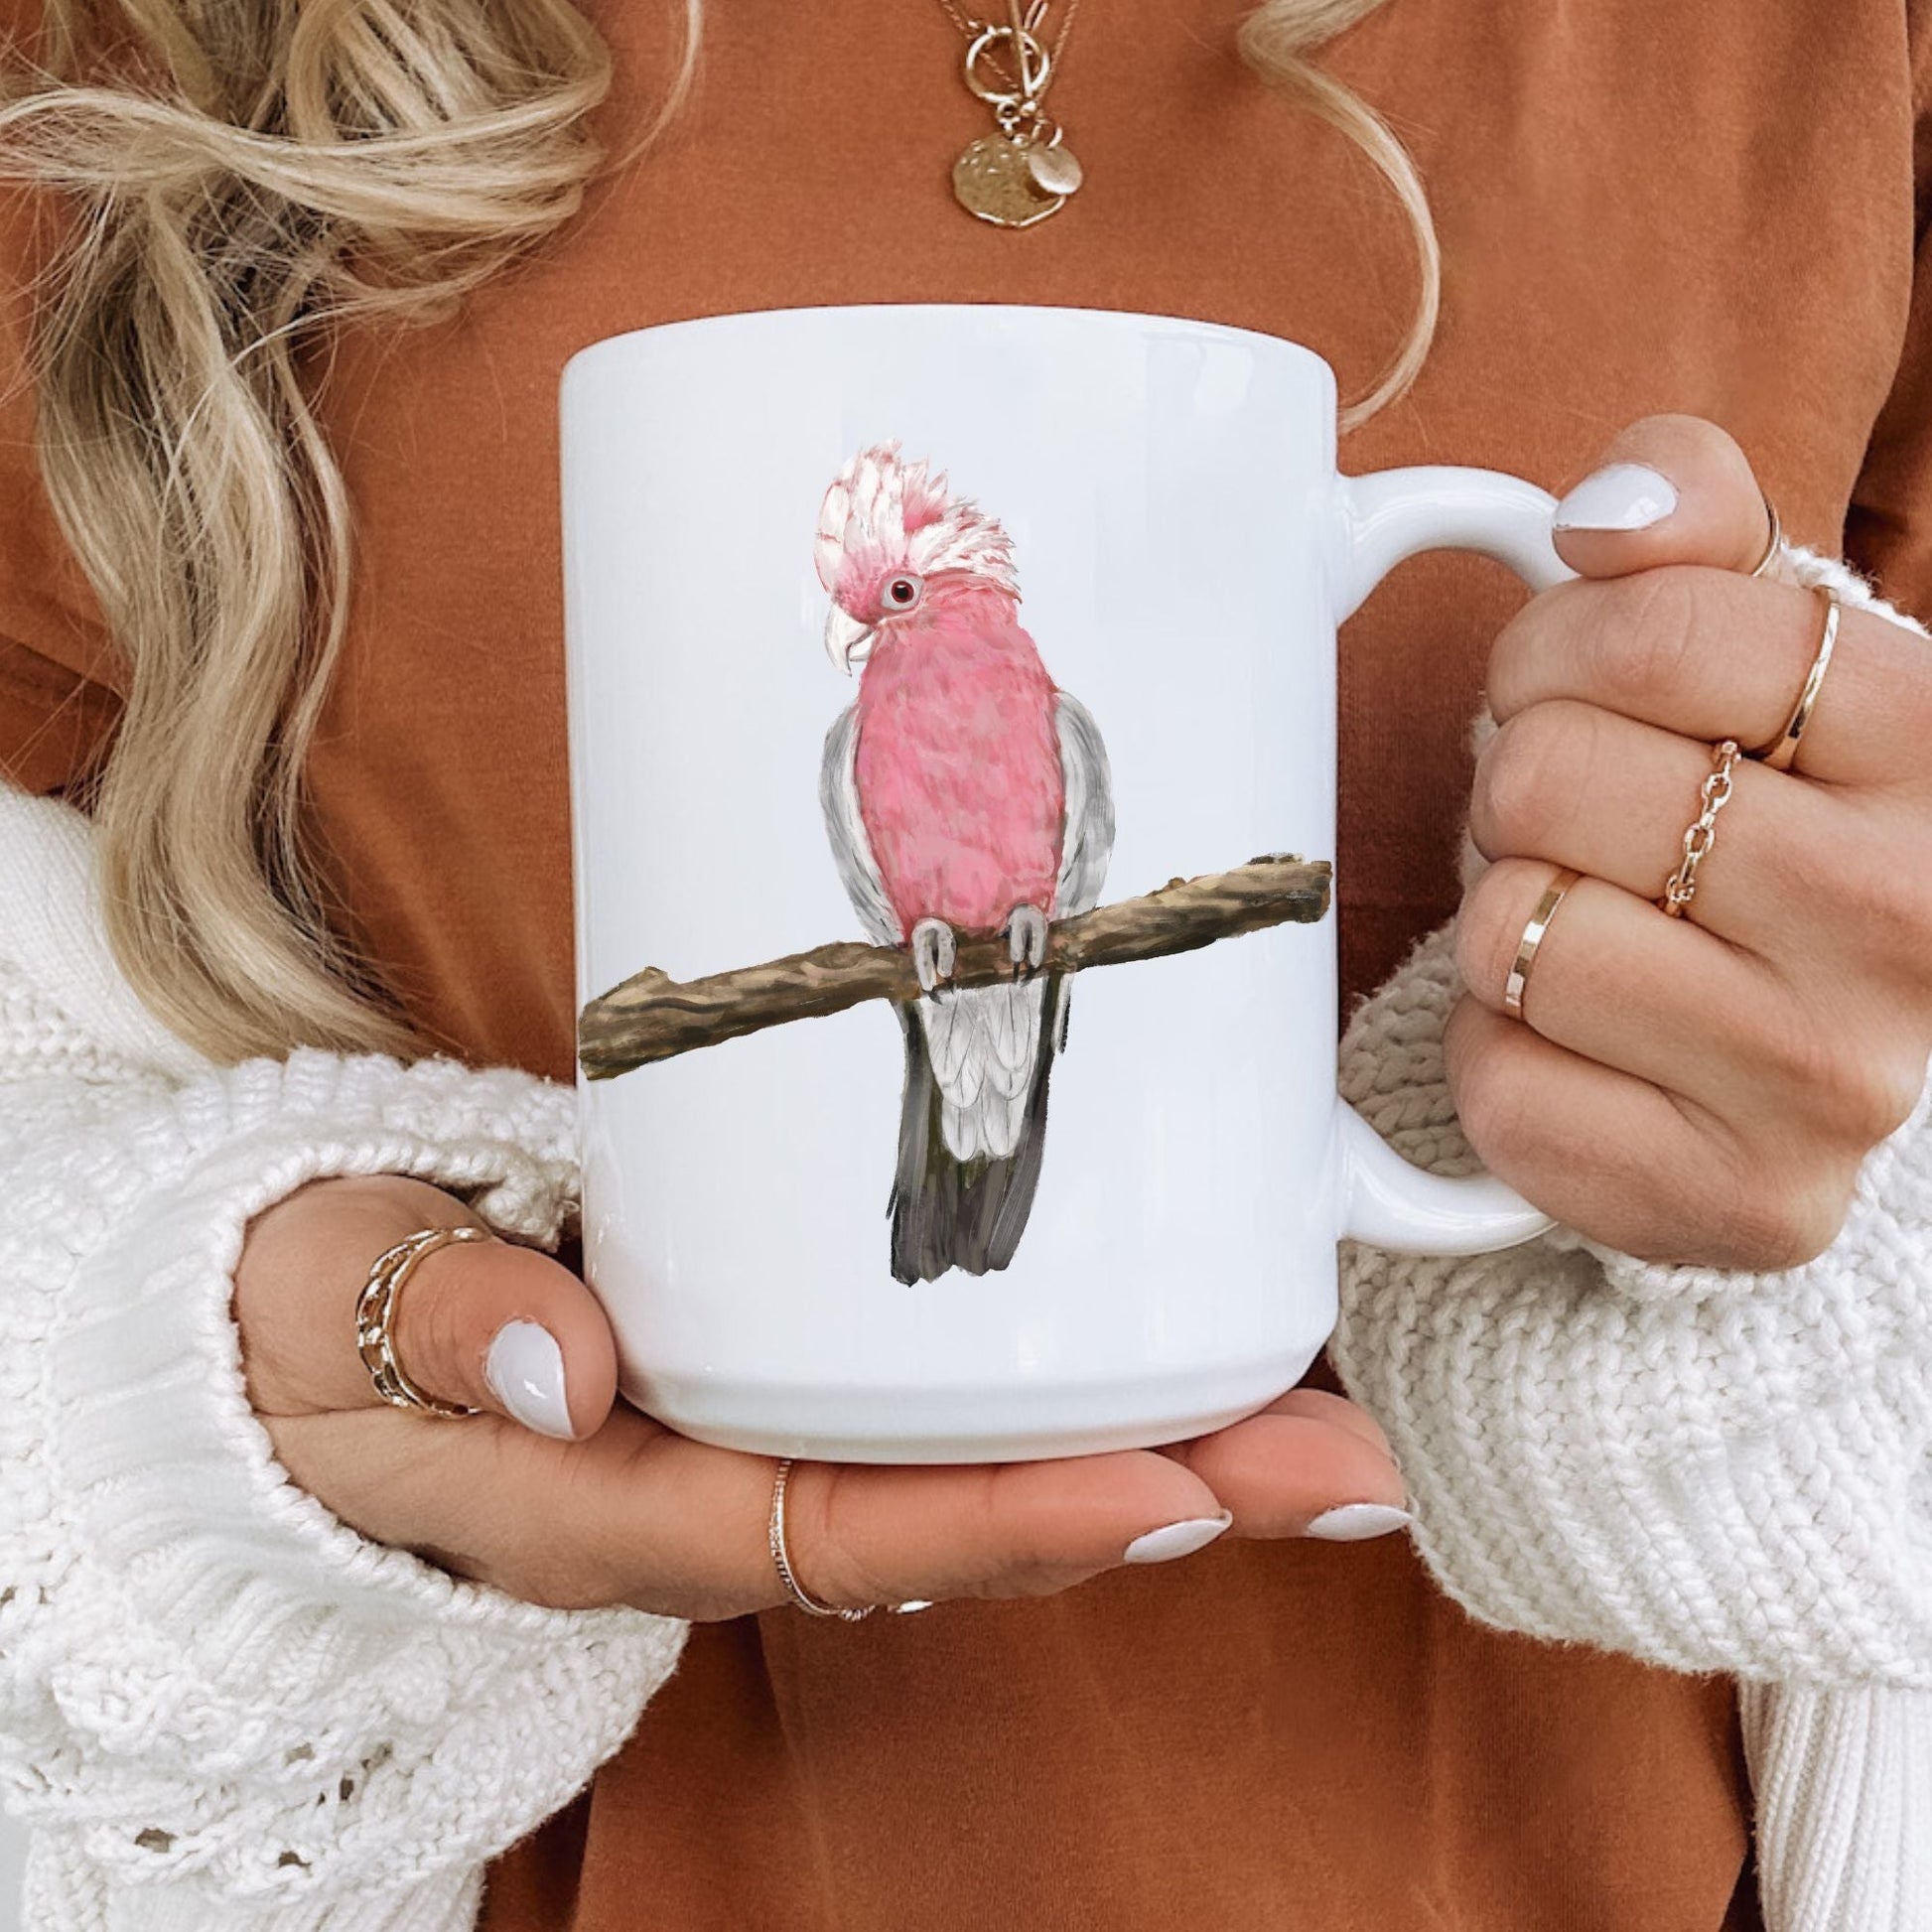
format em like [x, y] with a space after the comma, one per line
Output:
[1778, 754]
[375, 1315]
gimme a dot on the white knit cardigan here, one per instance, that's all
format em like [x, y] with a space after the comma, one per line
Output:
[225, 1712]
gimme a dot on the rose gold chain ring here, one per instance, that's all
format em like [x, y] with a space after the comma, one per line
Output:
[1682, 886]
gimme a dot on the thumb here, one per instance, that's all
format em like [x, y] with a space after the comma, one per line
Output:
[510, 1331]
[1669, 489]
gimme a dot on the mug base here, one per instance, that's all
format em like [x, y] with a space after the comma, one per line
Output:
[1027, 1423]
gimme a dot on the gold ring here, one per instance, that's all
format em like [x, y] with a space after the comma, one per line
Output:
[1526, 950]
[1775, 544]
[1714, 795]
[1780, 752]
[774, 1536]
[376, 1315]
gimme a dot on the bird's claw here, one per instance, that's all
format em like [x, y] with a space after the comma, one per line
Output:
[1026, 939]
[933, 952]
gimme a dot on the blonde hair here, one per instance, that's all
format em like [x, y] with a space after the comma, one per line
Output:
[241, 178]
[1276, 40]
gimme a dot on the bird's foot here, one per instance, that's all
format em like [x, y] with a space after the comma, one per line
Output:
[1025, 931]
[933, 952]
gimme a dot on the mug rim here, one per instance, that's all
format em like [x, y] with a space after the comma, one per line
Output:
[1195, 324]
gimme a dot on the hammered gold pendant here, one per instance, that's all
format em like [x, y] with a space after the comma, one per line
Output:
[996, 180]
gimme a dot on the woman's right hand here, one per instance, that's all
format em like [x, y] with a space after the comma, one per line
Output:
[626, 1511]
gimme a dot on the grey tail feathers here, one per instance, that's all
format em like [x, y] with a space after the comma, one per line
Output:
[964, 1214]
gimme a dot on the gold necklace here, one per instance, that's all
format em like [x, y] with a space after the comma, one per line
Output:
[1025, 172]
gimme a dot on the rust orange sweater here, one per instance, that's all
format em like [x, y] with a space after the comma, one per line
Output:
[1642, 206]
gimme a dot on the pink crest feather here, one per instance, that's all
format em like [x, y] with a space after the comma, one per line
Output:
[926, 501]
[881, 513]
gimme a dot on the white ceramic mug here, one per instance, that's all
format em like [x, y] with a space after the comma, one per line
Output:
[796, 1258]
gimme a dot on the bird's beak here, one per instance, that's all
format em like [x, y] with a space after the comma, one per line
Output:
[847, 640]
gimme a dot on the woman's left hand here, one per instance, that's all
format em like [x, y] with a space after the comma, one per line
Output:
[1698, 1089]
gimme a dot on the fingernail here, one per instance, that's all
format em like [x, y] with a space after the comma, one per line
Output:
[1174, 1540]
[525, 1368]
[1357, 1522]
[911, 1606]
[1621, 497]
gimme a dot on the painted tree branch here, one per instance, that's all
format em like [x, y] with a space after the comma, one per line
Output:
[653, 1017]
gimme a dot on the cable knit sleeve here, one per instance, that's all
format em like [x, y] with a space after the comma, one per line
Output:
[1714, 1471]
[219, 1706]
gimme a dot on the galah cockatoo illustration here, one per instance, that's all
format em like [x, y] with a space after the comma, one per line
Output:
[963, 792]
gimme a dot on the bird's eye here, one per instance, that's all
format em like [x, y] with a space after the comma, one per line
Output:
[903, 593]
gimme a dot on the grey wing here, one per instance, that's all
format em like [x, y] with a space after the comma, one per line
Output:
[1088, 840]
[838, 798]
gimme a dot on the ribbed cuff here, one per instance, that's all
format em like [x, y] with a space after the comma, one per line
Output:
[1842, 1782]
[1726, 1479]
[249, 1694]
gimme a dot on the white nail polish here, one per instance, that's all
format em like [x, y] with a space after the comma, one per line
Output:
[1357, 1522]
[1174, 1540]
[1621, 496]
[525, 1368]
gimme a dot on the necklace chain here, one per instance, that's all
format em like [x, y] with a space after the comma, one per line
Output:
[1034, 13]
[1023, 173]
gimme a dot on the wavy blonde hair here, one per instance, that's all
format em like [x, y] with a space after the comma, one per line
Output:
[240, 178]
[1277, 41]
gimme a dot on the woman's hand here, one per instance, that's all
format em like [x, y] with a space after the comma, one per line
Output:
[1698, 1089]
[629, 1513]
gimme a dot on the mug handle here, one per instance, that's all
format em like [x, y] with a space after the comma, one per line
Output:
[1381, 519]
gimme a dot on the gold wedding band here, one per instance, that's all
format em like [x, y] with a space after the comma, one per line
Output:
[375, 1317]
[1526, 950]
[774, 1536]
[1681, 887]
[1775, 544]
[1780, 753]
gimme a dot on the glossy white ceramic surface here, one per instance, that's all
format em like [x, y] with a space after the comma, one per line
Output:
[1184, 549]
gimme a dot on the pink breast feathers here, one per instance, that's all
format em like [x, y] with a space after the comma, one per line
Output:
[958, 771]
